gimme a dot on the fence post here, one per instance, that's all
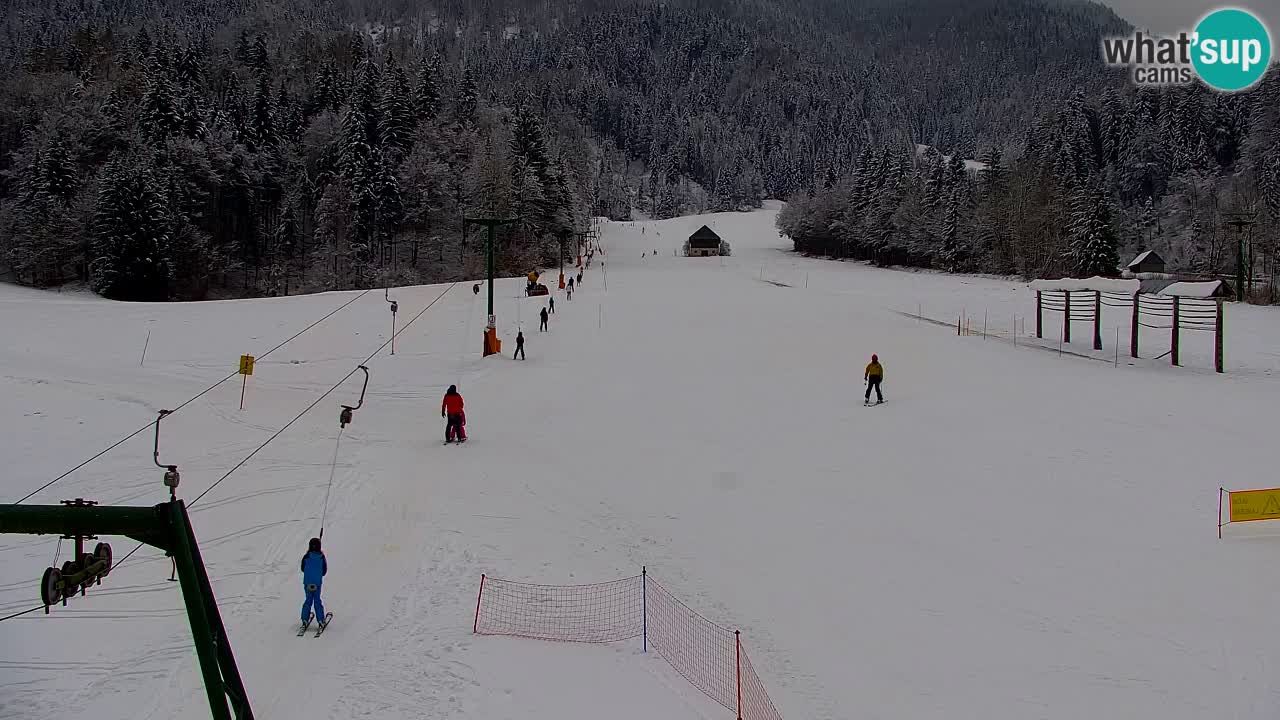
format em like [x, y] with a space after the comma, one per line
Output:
[475, 626]
[1173, 346]
[1220, 491]
[1217, 339]
[1097, 320]
[737, 641]
[1066, 316]
[1133, 330]
[1039, 325]
[644, 607]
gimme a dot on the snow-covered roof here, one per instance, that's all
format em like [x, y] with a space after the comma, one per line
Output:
[1100, 284]
[1209, 289]
[704, 233]
[1143, 256]
[970, 165]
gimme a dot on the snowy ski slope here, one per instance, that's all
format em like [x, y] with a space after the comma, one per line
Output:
[1015, 534]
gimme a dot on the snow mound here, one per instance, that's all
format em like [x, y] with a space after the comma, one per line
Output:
[1099, 284]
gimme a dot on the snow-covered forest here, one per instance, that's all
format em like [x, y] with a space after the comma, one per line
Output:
[1163, 170]
[174, 150]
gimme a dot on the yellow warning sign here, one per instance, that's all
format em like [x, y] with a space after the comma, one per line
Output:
[1249, 505]
[246, 364]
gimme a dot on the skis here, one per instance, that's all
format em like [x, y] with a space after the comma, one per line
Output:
[868, 403]
[319, 628]
[328, 617]
[455, 442]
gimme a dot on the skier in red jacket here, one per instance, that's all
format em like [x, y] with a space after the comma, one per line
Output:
[451, 408]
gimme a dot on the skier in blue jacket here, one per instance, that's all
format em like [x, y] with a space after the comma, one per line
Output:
[314, 568]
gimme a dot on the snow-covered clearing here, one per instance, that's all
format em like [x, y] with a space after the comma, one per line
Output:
[1013, 534]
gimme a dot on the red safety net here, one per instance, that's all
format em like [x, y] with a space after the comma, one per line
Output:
[601, 613]
[709, 656]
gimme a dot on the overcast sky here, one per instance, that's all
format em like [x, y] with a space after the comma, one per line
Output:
[1174, 15]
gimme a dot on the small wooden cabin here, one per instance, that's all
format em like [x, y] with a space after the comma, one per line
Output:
[1147, 262]
[703, 243]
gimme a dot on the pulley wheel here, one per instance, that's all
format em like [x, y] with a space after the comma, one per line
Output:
[103, 552]
[69, 568]
[85, 561]
[49, 591]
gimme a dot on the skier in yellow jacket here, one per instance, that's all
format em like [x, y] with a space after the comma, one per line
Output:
[873, 375]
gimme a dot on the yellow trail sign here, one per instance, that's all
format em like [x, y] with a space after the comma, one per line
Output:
[1249, 505]
[246, 364]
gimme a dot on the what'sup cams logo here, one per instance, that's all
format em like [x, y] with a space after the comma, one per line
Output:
[1229, 50]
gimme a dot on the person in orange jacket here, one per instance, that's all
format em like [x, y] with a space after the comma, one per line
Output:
[451, 408]
[873, 375]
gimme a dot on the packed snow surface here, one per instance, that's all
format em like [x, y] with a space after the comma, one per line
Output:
[1017, 533]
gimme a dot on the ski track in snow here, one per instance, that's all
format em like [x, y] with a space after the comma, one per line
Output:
[1014, 534]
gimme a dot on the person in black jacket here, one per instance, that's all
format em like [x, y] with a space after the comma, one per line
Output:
[543, 315]
[519, 346]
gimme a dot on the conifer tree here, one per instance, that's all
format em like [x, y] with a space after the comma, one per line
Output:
[263, 135]
[426, 92]
[1093, 240]
[259, 60]
[528, 144]
[58, 177]
[396, 114]
[132, 253]
[468, 98]
[159, 114]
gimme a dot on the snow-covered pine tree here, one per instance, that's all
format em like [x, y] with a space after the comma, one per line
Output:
[158, 114]
[232, 115]
[141, 45]
[191, 114]
[957, 175]
[390, 200]
[244, 47]
[1269, 181]
[468, 98]
[1093, 246]
[259, 59]
[1148, 221]
[357, 51]
[263, 135]
[952, 250]
[488, 180]
[1080, 139]
[426, 91]
[360, 123]
[527, 142]
[935, 187]
[1110, 120]
[396, 111]
[325, 94]
[58, 178]
[189, 68]
[289, 115]
[528, 200]
[993, 231]
[132, 254]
